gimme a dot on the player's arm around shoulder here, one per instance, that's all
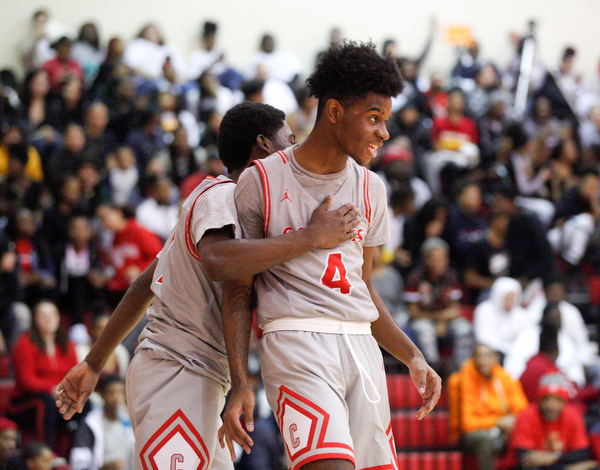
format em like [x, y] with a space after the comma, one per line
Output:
[237, 323]
[390, 337]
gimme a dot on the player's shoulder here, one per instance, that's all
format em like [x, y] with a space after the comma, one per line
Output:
[210, 185]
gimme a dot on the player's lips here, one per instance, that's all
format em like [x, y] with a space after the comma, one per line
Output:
[373, 149]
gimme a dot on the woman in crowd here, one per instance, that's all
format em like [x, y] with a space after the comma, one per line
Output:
[41, 358]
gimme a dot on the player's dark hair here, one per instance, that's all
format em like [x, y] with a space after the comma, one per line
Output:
[349, 71]
[240, 127]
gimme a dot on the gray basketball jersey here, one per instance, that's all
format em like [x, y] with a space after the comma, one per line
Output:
[184, 321]
[321, 282]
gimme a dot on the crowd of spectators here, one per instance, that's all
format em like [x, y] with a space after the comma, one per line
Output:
[494, 218]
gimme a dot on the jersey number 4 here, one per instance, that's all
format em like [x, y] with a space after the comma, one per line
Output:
[335, 275]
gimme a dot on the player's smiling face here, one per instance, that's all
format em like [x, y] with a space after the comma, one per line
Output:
[363, 128]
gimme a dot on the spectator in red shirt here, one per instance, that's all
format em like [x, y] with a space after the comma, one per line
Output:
[62, 66]
[455, 139]
[41, 358]
[551, 434]
[133, 249]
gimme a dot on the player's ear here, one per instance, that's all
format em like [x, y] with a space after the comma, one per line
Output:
[333, 110]
[264, 144]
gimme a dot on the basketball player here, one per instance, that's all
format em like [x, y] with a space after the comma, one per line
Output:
[178, 377]
[322, 319]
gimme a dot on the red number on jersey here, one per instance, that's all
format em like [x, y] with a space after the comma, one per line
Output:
[335, 274]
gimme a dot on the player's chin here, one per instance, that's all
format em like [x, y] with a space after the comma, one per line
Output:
[363, 159]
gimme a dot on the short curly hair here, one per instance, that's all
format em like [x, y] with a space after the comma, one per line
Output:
[240, 127]
[349, 71]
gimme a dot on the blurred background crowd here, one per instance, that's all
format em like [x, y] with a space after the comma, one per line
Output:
[494, 203]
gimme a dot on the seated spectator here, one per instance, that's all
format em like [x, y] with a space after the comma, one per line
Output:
[413, 88]
[492, 129]
[87, 51]
[38, 456]
[104, 440]
[66, 160]
[530, 254]
[35, 48]
[402, 206]
[62, 67]
[117, 363]
[210, 59]
[18, 189]
[488, 259]
[37, 274]
[132, 249]
[80, 274]
[279, 64]
[41, 358]
[529, 181]
[9, 436]
[68, 105]
[67, 203]
[172, 116]
[100, 141]
[408, 122]
[432, 296]
[466, 226]
[123, 178]
[147, 54]
[302, 121]
[551, 434]
[109, 70]
[15, 143]
[467, 67]
[437, 95]
[484, 403]
[430, 221]
[589, 133]
[10, 294]
[577, 214]
[94, 191]
[487, 89]
[159, 211]
[35, 97]
[499, 320]
[545, 362]
[573, 341]
[121, 99]
[206, 94]
[455, 140]
[542, 125]
[389, 285]
[565, 164]
[397, 167]
[147, 140]
[180, 159]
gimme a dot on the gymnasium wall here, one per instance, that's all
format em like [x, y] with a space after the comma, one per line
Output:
[303, 26]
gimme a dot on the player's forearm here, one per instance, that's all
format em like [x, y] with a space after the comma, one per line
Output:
[389, 335]
[125, 317]
[232, 259]
[237, 323]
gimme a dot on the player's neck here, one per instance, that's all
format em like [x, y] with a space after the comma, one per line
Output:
[320, 153]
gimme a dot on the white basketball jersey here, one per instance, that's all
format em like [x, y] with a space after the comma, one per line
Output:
[185, 318]
[321, 282]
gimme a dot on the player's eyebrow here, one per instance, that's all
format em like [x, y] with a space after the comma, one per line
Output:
[375, 108]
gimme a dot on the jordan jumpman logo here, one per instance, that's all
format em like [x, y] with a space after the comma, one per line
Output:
[285, 196]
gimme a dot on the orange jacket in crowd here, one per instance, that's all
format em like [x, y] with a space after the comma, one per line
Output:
[477, 403]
